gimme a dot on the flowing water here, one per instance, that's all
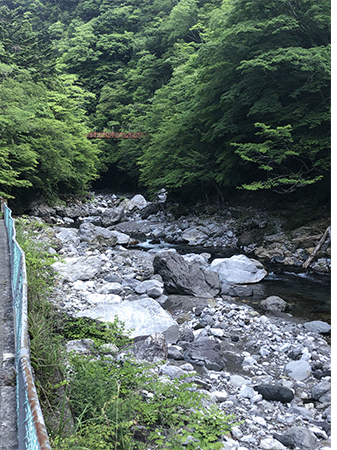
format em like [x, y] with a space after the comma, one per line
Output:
[308, 293]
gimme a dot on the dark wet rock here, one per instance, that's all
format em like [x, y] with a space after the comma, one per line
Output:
[182, 278]
[276, 393]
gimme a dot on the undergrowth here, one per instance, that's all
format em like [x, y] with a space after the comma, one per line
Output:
[46, 349]
[102, 401]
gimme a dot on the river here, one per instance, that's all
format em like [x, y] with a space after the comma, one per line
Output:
[308, 293]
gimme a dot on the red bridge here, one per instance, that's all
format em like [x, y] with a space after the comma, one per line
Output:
[114, 135]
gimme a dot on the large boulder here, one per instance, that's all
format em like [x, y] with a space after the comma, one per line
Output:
[195, 235]
[68, 235]
[150, 348]
[137, 202]
[181, 277]
[111, 216]
[205, 352]
[141, 317]
[96, 235]
[239, 269]
[78, 268]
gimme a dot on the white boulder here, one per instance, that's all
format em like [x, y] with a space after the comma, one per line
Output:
[78, 268]
[238, 270]
[141, 317]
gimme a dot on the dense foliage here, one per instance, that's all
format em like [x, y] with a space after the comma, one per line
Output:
[232, 93]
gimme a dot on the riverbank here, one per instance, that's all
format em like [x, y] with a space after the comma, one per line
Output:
[271, 369]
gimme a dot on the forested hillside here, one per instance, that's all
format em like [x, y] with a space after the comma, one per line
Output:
[232, 93]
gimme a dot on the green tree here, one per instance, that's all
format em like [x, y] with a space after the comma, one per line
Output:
[260, 62]
[43, 136]
[286, 169]
[9, 177]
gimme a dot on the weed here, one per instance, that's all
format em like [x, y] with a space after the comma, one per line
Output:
[126, 406]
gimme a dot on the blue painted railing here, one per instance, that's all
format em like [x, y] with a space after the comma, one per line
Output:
[32, 433]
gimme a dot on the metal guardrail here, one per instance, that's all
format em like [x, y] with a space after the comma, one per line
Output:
[32, 433]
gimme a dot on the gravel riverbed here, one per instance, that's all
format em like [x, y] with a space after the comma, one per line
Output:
[270, 369]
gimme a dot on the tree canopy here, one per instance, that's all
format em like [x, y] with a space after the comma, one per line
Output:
[233, 93]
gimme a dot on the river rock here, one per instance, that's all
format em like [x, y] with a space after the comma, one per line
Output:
[298, 437]
[153, 288]
[238, 270]
[298, 370]
[111, 216]
[142, 317]
[151, 348]
[68, 235]
[95, 235]
[274, 303]
[136, 202]
[172, 371]
[195, 236]
[271, 444]
[207, 352]
[322, 392]
[318, 326]
[180, 277]
[276, 393]
[78, 268]
[107, 299]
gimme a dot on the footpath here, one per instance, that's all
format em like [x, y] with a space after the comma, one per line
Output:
[8, 417]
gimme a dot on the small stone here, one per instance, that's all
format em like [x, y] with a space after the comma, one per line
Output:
[247, 392]
[298, 370]
[236, 432]
[271, 444]
[317, 326]
[187, 367]
[175, 352]
[320, 389]
[237, 380]
[259, 420]
[219, 396]
[172, 371]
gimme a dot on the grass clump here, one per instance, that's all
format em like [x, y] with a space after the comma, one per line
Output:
[123, 405]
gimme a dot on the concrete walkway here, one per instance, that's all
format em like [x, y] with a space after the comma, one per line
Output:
[8, 421]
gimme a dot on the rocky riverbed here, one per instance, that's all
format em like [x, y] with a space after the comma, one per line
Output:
[270, 369]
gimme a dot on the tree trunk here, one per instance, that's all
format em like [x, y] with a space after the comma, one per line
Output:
[318, 246]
